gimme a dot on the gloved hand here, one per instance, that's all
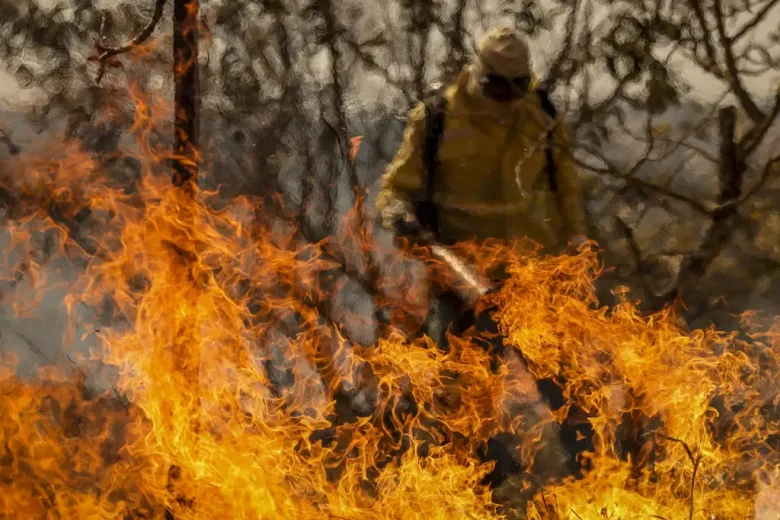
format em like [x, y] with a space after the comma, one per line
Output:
[400, 217]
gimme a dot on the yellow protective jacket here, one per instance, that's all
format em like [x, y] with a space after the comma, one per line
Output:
[491, 180]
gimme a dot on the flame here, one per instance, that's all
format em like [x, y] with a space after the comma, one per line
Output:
[354, 148]
[230, 369]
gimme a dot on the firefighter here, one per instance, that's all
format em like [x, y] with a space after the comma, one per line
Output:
[502, 169]
[487, 158]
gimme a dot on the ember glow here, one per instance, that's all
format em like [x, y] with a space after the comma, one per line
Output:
[229, 371]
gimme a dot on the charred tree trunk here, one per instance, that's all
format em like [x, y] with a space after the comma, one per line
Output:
[185, 176]
[186, 157]
[726, 218]
[723, 220]
[186, 84]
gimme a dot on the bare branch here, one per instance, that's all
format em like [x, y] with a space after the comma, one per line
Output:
[770, 169]
[556, 70]
[32, 347]
[740, 92]
[757, 19]
[762, 66]
[600, 107]
[725, 216]
[457, 54]
[682, 141]
[752, 139]
[613, 171]
[106, 53]
[370, 62]
[712, 65]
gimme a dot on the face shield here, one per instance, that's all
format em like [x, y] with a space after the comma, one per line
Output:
[503, 89]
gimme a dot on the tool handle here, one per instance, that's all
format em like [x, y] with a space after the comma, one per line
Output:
[469, 285]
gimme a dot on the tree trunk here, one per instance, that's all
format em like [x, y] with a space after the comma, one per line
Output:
[186, 81]
[723, 221]
[186, 158]
[185, 175]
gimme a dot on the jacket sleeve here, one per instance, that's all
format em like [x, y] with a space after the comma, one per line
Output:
[402, 182]
[569, 183]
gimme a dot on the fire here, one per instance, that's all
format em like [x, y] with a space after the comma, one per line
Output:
[229, 369]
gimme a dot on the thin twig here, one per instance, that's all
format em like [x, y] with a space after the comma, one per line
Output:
[694, 460]
[613, 171]
[712, 66]
[557, 68]
[758, 18]
[38, 352]
[683, 140]
[544, 502]
[684, 144]
[740, 92]
[106, 53]
[32, 346]
[755, 136]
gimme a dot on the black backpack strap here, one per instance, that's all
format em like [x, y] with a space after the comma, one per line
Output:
[435, 111]
[549, 109]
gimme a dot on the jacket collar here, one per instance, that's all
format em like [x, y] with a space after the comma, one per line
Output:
[463, 96]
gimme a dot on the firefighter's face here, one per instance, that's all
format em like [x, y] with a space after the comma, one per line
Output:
[504, 89]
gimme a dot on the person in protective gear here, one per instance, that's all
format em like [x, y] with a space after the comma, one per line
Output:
[488, 159]
[502, 168]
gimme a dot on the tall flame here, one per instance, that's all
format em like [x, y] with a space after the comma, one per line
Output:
[229, 373]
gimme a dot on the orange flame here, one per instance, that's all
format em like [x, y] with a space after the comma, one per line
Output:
[232, 374]
[354, 148]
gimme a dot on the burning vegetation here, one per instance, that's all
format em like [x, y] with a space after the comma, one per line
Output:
[240, 392]
[230, 373]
